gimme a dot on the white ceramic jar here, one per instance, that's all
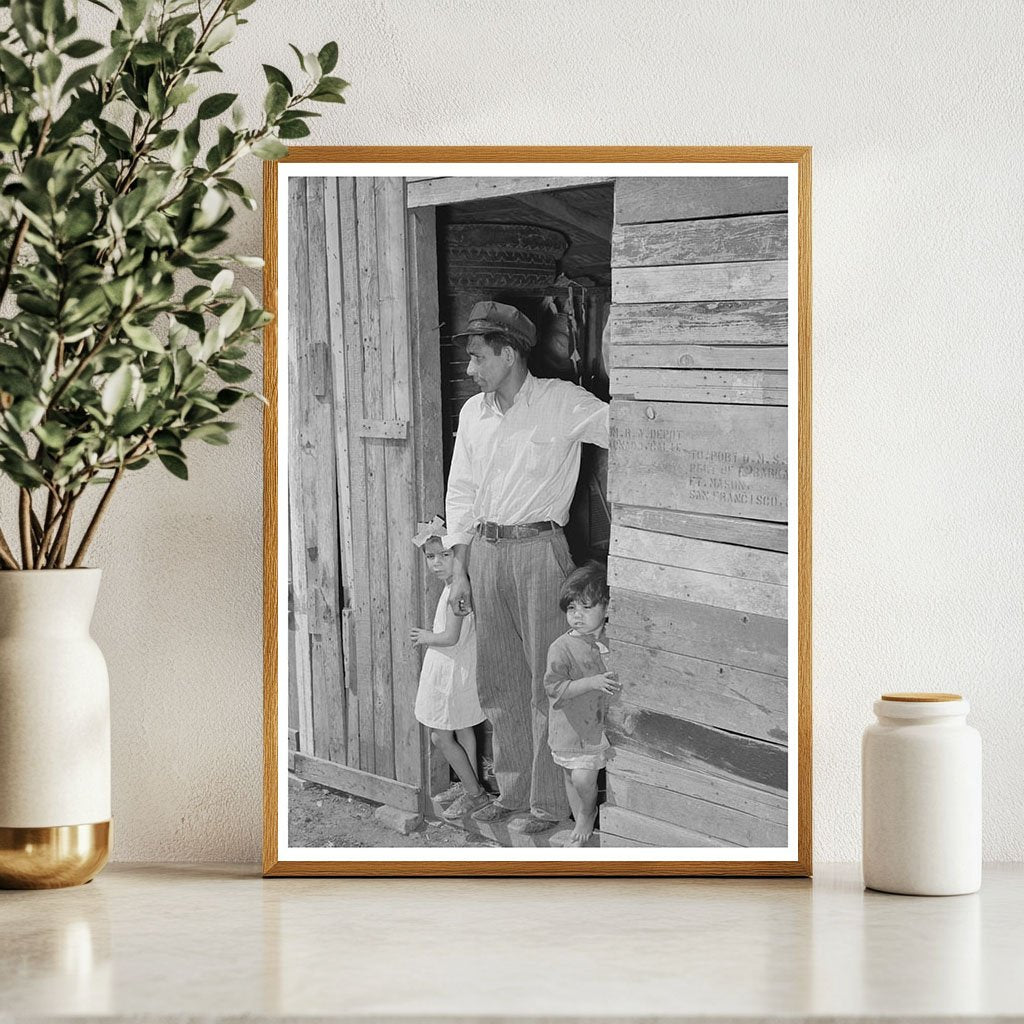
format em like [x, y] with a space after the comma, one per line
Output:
[921, 778]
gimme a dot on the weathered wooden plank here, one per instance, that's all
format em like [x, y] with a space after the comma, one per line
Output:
[731, 828]
[665, 377]
[700, 587]
[720, 696]
[376, 484]
[698, 747]
[729, 460]
[428, 438]
[734, 239]
[744, 387]
[763, 804]
[739, 322]
[337, 309]
[360, 681]
[361, 784]
[715, 396]
[336, 336]
[440, 191]
[702, 282]
[296, 512]
[700, 631]
[647, 831]
[348, 659]
[328, 692]
[639, 200]
[751, 533]
[559, 211]
[607, 841]
[403, 572]
[707, 556]
[717, 357]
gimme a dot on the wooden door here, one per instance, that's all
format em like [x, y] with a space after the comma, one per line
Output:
[698, 484]
[356, 483]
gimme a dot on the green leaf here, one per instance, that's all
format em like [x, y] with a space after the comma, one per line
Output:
[325, 96]
[26, 414]
[83, 48]
[276, 100]
[134, 13]
[175, 465]
[269, 149]
[16, 70]
[292, 130]
[184, 44]
[149, 53]
[328, 57]
[211, 433]
[214, 105]
[222, 281]
[116, 390]
[77, 79]
[232, 319]
[53, 435]
[232, 373]
[221, 35]
[49, 68]
[278, 77]
[181, 94]
[144, 338]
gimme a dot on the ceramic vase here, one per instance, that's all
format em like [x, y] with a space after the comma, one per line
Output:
[54, 731]
[921, 772]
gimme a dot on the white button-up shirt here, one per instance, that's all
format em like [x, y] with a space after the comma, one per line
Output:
[520, 466]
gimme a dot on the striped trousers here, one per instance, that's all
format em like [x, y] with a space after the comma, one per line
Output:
[515, 598]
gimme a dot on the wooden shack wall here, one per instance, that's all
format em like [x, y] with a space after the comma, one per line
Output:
[356, 587]
[698, 484]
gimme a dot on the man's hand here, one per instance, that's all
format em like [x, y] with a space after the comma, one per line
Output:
[460, 597]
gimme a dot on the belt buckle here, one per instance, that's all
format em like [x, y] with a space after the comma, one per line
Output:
[489, 532]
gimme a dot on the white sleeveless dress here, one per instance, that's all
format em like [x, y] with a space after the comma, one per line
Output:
[447, 697]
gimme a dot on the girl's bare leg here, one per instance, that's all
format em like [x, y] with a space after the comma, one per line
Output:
[467, 740]
[584, 782]
[445, 741]
[570, 792]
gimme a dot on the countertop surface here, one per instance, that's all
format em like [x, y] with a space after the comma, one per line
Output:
[180, 942]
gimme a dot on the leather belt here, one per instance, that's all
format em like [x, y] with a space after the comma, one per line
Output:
[493, 532]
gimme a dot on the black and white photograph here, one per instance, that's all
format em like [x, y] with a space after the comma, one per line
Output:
[538, 593]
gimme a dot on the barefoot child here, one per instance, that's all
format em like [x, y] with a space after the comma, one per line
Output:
[447, 702]
[578, 686]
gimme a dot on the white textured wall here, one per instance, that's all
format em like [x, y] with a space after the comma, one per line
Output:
[914, 112]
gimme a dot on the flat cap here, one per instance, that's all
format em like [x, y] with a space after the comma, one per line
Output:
[490, 317]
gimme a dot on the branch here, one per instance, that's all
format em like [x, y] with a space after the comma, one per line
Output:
[84, 360]
[6, 555]
[97, 516]
[25, 520]
[22, 230]
[60, 544]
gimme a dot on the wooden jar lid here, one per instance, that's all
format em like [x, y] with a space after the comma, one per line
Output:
[921, 698]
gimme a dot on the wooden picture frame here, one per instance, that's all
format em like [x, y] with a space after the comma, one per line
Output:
[701, 576]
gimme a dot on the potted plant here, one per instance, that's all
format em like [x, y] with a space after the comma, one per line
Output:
[122, 342]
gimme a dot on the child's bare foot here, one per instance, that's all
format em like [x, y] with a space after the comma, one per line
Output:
[583, 831]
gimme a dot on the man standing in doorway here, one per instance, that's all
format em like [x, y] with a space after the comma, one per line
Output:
[512, 478]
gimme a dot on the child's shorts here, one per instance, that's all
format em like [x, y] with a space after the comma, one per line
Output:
[572, 759]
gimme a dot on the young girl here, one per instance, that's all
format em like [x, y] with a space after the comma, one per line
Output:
[578, 685]
[447, 701]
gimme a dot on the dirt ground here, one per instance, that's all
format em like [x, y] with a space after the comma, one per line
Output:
[322, 817]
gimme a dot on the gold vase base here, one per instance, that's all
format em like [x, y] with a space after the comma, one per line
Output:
[52, 857]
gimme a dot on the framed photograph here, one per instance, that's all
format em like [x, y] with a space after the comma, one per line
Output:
[538, 511]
